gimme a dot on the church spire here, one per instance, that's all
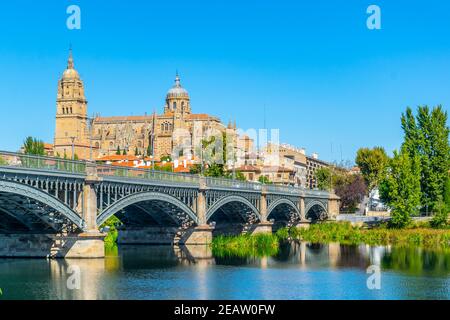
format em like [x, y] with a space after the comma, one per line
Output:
[177, 81]
[70, 64]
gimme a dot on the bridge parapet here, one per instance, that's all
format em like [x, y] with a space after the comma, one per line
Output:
[146, 174]
[41, 163]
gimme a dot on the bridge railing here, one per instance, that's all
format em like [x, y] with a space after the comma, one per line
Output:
[153, 175]
[19, 160]
[231, 183]
[283, 189]
[316, 193]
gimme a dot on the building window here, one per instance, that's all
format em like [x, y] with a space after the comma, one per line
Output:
[174, 105]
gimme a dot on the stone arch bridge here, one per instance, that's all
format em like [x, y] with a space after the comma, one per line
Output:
[55, 207]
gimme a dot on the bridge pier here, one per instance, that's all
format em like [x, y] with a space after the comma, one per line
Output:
[262, 227]
[52, 246]
[333, 206]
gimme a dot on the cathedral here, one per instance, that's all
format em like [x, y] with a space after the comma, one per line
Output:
[157, 135]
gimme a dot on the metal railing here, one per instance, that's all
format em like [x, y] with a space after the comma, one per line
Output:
[19, 160]
[232, 183]
[283, 189]
[317, 193]
[153, 175]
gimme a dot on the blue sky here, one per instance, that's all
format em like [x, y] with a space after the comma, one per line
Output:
[326, 81]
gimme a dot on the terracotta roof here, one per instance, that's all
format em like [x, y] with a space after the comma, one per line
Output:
[201, 116]
[48, 146]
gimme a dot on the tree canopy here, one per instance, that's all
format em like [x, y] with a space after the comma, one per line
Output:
[33, 146]
[372, 163]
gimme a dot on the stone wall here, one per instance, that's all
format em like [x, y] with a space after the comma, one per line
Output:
[51, 246]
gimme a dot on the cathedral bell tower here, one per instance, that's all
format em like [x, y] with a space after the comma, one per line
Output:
[71, 132]
[177, 99]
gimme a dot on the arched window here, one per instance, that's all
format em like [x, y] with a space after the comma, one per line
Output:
[71, 110]
[97, 145]
[166, 126]
[162, 126]
[174, 105]
[111, 145]
[182, 105]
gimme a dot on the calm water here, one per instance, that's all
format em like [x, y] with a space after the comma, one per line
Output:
[298, 271]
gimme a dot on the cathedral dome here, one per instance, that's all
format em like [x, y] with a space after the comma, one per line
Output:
[70, 72]
[177, 91]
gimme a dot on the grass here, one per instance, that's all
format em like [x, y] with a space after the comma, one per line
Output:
[345, 233]
[245, 245]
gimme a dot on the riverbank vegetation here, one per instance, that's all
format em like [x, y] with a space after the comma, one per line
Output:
[110, 226]
[419, 234]
[245, 245]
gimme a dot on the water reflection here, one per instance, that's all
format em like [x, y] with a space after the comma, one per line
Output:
[296, 271]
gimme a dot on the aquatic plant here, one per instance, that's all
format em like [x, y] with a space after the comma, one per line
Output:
[258, 245]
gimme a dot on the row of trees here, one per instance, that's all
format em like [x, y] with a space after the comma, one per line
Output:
[416, 179]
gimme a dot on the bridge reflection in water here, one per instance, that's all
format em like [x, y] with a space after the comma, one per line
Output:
[298, 271]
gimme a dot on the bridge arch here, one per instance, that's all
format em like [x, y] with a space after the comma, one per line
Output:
[147, 197]
[283, 212]
[316, 210]
[232, 199]
[29, 206]
[277, 203]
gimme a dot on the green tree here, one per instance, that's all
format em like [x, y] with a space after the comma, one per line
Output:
[400, 189]
[136, 151]
[440, 217]
[166, 158]
[118, 151]
[215, 170]
[264, 180]
[33, 146]
[195, 169]
[240, 176]
[324, 178]
[447, 193]
[426, 136]
[124, 152]
[372, 163]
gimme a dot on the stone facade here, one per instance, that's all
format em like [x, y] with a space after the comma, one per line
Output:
[155, 135]
[71, 132]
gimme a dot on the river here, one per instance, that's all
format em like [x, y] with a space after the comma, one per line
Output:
[297, 271]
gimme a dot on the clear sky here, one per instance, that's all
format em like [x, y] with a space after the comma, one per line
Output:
[326, 81]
